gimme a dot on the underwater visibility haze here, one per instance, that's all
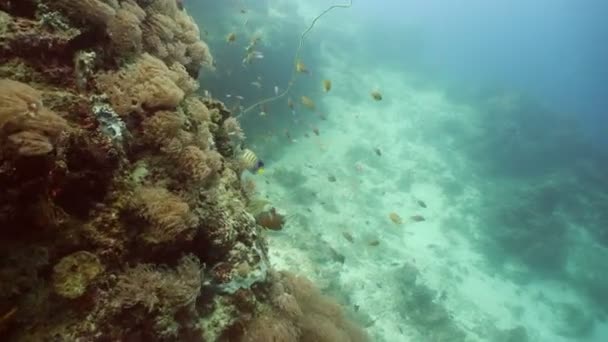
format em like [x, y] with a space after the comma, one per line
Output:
[286, 170]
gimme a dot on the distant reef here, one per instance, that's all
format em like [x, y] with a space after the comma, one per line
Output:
[122, 213]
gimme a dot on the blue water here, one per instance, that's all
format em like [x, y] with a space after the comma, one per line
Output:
[521, 122]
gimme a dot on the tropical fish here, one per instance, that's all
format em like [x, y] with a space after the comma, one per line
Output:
[240, 97]
[376, 95]
[326, 85]
[395, 218]
[231, 37]
[288, 136]
[256, 84]
[348, 236]
[421, 203]
[374, 243]
[308, 102]
[315, 130]
[378, 151]
[276, 90]
[251, 55]
[301, 68]
[337, 257]
[417, 218]
[251, 162]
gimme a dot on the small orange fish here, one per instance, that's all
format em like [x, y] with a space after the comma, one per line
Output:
[326, 86]
[395, 218]
[301, 68]
[308, 102]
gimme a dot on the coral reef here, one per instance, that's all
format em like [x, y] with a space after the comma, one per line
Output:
[122, 213]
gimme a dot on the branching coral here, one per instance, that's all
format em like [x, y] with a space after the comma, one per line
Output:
[26, 125]
[169, 217]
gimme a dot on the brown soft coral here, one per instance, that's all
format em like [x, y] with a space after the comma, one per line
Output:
[146, 84]
[27, 126]
[154, 287]
[162, 128]
[169, 217]
[95, 12]
[199, 165]
[125, 32]
[173, 36]
[300, 312]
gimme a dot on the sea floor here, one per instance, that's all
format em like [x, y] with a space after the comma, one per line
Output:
[409, 280]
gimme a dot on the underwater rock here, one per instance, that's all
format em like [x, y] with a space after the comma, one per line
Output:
[73, 273]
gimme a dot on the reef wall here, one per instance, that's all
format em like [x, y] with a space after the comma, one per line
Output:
[122, 213]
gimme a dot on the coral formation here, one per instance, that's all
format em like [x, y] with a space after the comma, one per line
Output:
[168, 216]
[122, 211]
[299, 312]
[27, 126]
[74, 272]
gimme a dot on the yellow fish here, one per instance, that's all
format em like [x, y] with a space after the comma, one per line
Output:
[301, 68]
[326, 85]
[376, 95]
[231, 38]
[307, 102]
[395, 218]
[251, 162]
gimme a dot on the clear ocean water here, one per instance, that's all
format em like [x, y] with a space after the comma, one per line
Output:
[470, 202]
